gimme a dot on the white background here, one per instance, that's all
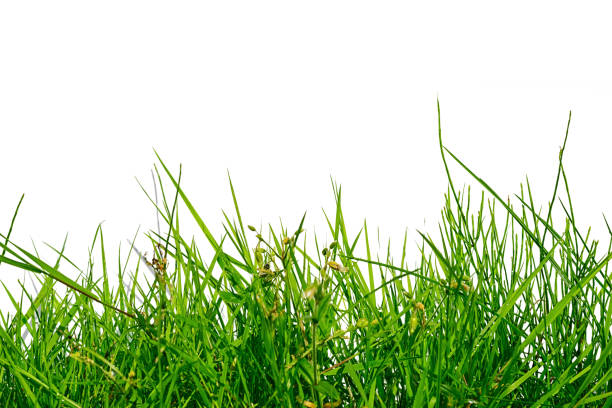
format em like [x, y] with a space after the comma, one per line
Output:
[285, 95]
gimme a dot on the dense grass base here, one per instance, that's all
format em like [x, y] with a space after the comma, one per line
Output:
[505, 310]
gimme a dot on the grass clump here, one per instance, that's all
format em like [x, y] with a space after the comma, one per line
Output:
[505, 310]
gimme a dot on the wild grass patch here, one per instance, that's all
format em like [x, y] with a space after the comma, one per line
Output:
[505, 309]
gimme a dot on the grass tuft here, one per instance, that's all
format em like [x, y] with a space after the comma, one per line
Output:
[504, 310]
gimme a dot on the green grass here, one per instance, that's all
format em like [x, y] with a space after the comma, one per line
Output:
[504, 310]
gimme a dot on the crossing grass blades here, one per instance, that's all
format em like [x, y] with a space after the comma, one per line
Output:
[504, 310]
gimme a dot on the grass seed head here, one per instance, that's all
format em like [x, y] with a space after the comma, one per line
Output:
[362, 323]
[414, 322]
[337, 267]
[311, 291]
